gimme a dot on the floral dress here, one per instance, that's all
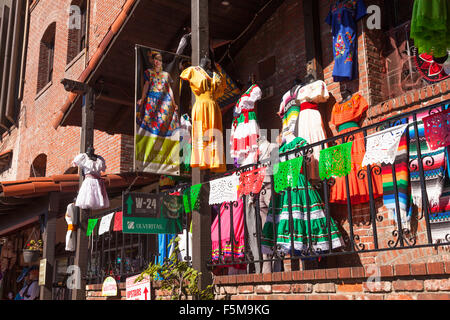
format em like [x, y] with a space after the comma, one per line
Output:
[342, 18]
[160, 117]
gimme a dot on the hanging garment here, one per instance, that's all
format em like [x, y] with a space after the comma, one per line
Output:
[430, 26]
[433, 165]
[186, 142]
[345, 118]
[164, 250]
[70, 217]
[440, 218]
[92, 194]
[343, 17]
[245, 128]
[289, 111]
[429, 69]
[310, 125]
[231, 245]
[157, 140]
[207, 134]
[402, 177]
[185, 245]
[280, 217]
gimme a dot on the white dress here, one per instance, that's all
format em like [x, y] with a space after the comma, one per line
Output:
[92, 194]
[245, 129]
[70, 235]
[310, 124]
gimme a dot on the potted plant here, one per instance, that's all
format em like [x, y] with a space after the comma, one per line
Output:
[32, 251]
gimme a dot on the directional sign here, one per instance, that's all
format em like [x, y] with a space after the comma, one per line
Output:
[138, 290]
[151, 213]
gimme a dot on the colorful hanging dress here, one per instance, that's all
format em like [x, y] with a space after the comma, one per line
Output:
[207, 145]
[310, 125]
[289, 111]
[245, 129]
[430, 26]
[343, 17]
[160, 117]
[345, 118]
[280, 216]
[224, 246]
[92, 194]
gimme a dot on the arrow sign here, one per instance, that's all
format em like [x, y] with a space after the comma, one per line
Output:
[129, 204]
[145, 292]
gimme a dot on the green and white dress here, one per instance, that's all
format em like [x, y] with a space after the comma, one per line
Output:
[319, 232]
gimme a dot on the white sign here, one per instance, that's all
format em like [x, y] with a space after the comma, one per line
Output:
[139, 290]
[109, 288]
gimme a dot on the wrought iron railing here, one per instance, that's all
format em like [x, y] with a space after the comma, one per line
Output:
[122, 255]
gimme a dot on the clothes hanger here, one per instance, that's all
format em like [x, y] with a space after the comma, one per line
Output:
[346, 95]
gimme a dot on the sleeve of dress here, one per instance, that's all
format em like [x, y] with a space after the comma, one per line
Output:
[361, 9]
[194, 78]
[256, 94]
[102, 165]
[332, 122]
[360, 105]
[79, 160]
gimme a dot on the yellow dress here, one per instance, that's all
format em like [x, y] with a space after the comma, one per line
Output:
[207, 135]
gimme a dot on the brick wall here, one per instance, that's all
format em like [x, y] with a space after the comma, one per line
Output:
[423, 281]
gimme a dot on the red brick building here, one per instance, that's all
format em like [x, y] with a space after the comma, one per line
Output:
[276, 42]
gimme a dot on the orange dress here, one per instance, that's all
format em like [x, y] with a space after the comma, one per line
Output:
[345, 117]
[207, 135]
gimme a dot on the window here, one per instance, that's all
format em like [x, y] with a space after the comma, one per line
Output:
[46, 57]
[39, 166]
[77, 29]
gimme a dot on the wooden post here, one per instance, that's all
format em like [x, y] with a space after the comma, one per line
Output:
[312, 39]
[49, 239]
[201, 219]
[81, 253]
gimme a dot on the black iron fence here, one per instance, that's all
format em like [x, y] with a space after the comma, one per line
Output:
[122, 255]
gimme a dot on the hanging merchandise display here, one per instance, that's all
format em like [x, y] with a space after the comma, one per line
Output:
[429, 69]
[286, 173]
[231, 92]
[297, 200]
[289, 111]
[310, 125]
[430, 26]
[92, 194]
[437, 129]
[190, 198]
[382, 146]
[105, 223]
[250, 182]
[245, 129]
[70, 217]
[207, 146]
[343, 17]
[91, 226]
[402, 177]
[157, 115]
[433, 162]
[231, 244]
[224, 190]
[345, 117]
[336, 161]
[185, 142]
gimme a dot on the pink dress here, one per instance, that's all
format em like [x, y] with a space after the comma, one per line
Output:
[238, 227]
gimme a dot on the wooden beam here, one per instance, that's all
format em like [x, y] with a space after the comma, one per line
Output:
[81, 253]
[116, 100]
[49, 239]
[201, 219]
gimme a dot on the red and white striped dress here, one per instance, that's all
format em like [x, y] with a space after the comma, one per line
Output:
[245, 129]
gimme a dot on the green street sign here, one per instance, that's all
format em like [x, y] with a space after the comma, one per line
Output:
[151, 213]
